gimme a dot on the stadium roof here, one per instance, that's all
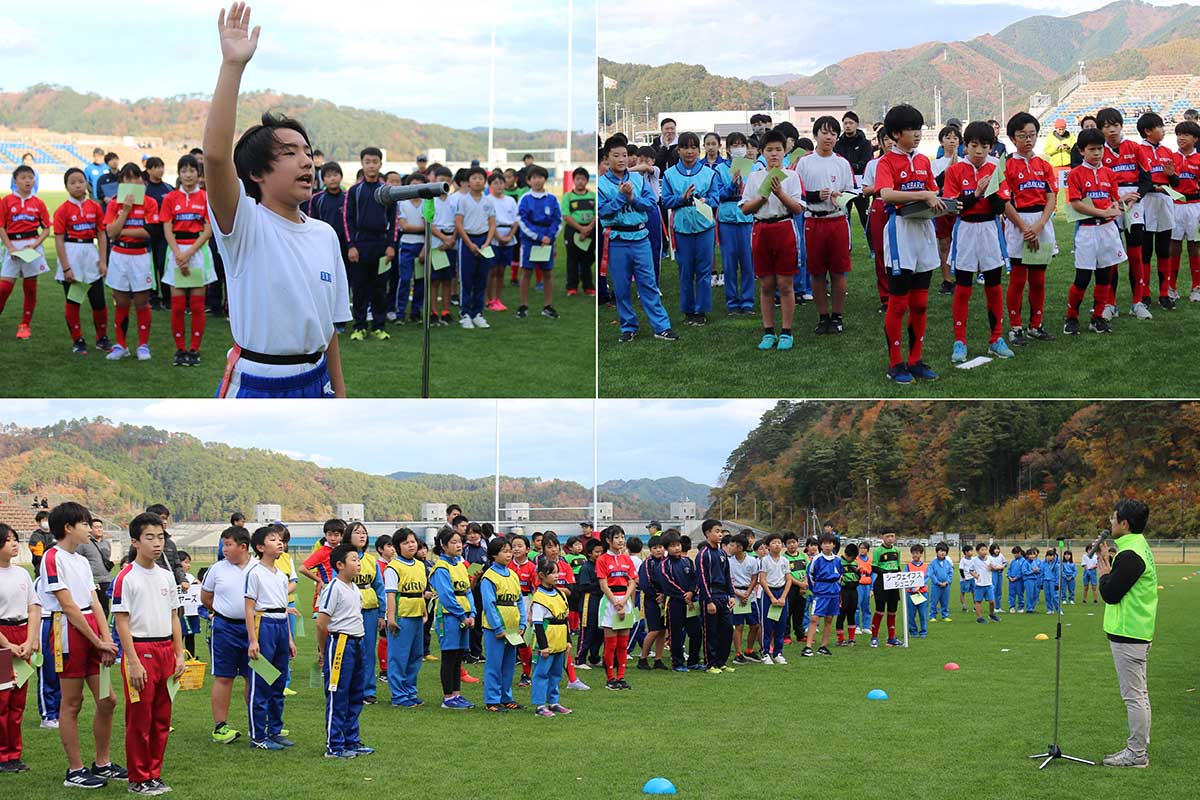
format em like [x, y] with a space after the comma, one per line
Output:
[821, 100]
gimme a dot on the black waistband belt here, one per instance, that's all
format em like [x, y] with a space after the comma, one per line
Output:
[266, 358]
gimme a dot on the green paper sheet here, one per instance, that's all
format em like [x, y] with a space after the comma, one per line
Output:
[77, 292]
[265, 669]
[28, 255]
[844, 199]
[581, 242]
[385, 264]
[299, 634]
[22, 670]
[742, 166]
[765, 189]
[37, 659]
[106, 682]
[774, 613]
[694, 610]
[742, 608]
[198, 266]
[316, 678]
[514, 638]
[998, 174]
[619, 624]
[705, 211]
[474, 569]
[172, 687]
[795, 156]
[440, 260]
[1174, 195]
[137, 190]
[1037, 257]
[487, 252]
[540, 253]
[916, 597]
[1076, 216]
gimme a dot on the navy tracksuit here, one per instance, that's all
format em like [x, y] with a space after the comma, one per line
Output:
[368, 228]
[590, 638]
[713, 586]
[343, 699]
[676, 578]
[330, 209]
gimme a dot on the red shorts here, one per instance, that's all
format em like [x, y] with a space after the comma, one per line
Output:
[81, 659]
[827, 245]
[773, 248]
[943, 226]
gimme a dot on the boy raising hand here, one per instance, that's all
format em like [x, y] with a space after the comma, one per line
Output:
[287, 287]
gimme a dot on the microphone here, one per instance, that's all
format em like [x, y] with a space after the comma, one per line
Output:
[387, 194]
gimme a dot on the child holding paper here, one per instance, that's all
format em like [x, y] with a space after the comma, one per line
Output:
[144, 610]
[21, 612]
[734, 228]
[677, 580]
[977, 237]
[22, 214]
[775, 577]
[340, 641]
[184, 217]
[475, 222]
[548, 615]
[825, 572]
[941, 575]
[691, 190]
[539, 218]
[222, 592]
[848, 609]
[130, 271]
[405, 581]
[270, 640]
[918, 598]
[504, 623]
[617, 614]
[455, 615]
[505, 242]
[951, 153]
[1030, 233]
[1187, 210]
[444, 259]
[1157, 164]
[81, 244]
[579, 221]
[1093, 194]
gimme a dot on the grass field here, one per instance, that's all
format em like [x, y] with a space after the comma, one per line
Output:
[515, 358]
[779, 731]
[1140, 359]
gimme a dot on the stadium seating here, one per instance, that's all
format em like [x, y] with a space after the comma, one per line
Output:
[1168, 95]
[11, 152]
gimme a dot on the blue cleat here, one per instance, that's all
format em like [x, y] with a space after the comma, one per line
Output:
[1000, 349]
[899, 374]
[959, 354]
[768, 341]
[923, 371]
[785, 341]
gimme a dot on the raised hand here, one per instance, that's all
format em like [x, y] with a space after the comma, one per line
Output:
[238, 42]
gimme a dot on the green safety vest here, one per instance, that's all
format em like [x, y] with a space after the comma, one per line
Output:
[1133, 617]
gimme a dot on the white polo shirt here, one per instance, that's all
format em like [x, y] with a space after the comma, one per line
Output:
[286, 281]
[16, 593]
[506, 214]
[227, 583]
[410, 214]
[774, 207]
[774, 571]
[268, 588]
[149, 597]
[343, 603]
[59, 570]
[444, 209]
[475, 213]
[819, 172]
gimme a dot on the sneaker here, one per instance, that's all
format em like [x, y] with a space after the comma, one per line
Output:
[193, 358]
[959, 354]
[667, 336]
[524, 683]
[289, 692]
[79, 348]
[696, 667]
[1041, 334]
[225, 734]
[807, 652]
[823, 651]
[582, 665]
[266, 744]
[700, 320]
[767, 660]
[1071, 327]
[110, 772]
[23, 331]
[548, 311]
[82, 778]
[822, 327]
[159, 786]
[947, 287]
[369, 700]
[689, 319]
[899, 374]
[390, 316]
[612, 685]
[1016, 337]
[16, 766]
[116, 353]
[626, 336]
[181, 359]
[444, 319]
[923, 371]
[1195, 295]
[713, 670]
[785, 341]
[341, 754]
[1173, 293]
[358, 336]
[1126, 758]
[1141, 311]
[430, 657]
[740, 659]
[146, 789]
[1110, 311]
[836, 325]
[522, 312]
[623, 684]
[728, 668]
[590, 292]
[658, 664]
[559, 709]
[981, 620]
[993, 618]
[480, 322]
[572, 292]
[466, 321]
[779, 659]
[1166, 303]
[542, 711]
[999, 349]
[1098, 325]
[468, 679]
[768, 341]
[380, 335]
[578, 685]
[495, 708]
[452, 703]
[103, 344]
[894, 643]
[680, 668]
[279, 738]
[874, 642]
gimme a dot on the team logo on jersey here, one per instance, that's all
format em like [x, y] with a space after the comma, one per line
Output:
[327, 277]
[903, 174]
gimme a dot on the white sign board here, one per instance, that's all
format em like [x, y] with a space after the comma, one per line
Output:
[903, 580]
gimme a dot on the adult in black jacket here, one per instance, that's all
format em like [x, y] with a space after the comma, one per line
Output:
[666, 145]
[169, 560]
[854, 146]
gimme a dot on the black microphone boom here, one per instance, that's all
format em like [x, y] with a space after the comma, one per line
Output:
[387, 194]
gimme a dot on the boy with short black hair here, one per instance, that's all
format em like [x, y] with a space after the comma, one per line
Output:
[941, 575]
[825, 572]
[652, 605]
[81, 244]
[475, 222]
[826, 176]
[328, 204]
[981, 572]
[579, 224]
[368, 229]
[714, 590]
[918, 598]
[677, 582]
[269, 638]
[539, 219]
[1034, 189]
[744, 567]
[798, 568]
[340, 641]
[254, 195]
[885, 560]
[144, 605]
[24, 225]
[222, 592]
[1156, 177]
[1121, 156]
[1186, 225]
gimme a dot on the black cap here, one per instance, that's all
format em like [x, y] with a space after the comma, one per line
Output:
[654, 524]
[422, 157]
[585, 524]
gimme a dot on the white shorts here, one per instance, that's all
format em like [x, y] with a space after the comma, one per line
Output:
[910, 244]
[1098, 246]
[129, 273]
[608, 612]
[977, 246]
[200, 260]
[1016, 243]
[14, 267]
[1187, 222]
[85, 262]
[1155, 212]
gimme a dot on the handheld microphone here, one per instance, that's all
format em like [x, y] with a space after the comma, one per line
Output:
[1105, 536]
[390, 195]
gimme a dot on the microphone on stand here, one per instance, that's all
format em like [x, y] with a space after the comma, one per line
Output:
[387, 194]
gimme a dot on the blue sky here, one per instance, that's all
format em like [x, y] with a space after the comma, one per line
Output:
[547, 438]
[428, 61]
[810, 35]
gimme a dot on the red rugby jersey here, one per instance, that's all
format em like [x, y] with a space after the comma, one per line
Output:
[526, 573]
[964, 179]
[904, 172]
[1152, 159]
[1187, 167]
[1029, 180]
[1097, 183]
[1123, 162]
[617, 570]
[78, 220]
[187, 213]
[142, 215]
[23, 214]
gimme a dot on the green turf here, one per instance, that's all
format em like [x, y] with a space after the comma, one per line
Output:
[779, 731]
[721, 359]
[500, 362]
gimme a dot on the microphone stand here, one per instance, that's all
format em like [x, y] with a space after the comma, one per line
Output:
[1053, 751]
[427, 213]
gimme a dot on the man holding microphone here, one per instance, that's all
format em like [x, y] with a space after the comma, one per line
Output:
[1129, 588]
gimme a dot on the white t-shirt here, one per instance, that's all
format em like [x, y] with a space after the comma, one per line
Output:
[980, 570]
[997, 565]
[1090, 561]
[940, 165]
[59, 570]
[343, 603]
[268, 588]
[190, 600]
[444, 209]
[506, 214]
[819, 172]
[741, 573]
[149, 597]
[227, 582]
[16, 593]
[286, 281]
[774, 207]
[868, 178]
[775, 571]
[410, 214]
[475, 213]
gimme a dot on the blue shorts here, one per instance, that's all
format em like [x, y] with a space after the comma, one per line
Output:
[826, 606]
[310, 384]
[1089, 577]
[504, 254]
[526, 246]
[191, 625]
[966, 587]
[651, 611]
[984, 593]
[450, 272]
[229, 643]
[753, 618]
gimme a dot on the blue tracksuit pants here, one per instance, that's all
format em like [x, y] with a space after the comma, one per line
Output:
[345, 702]
[1016, 595]
[472, 277]
[500, 658]
[547, 674]
[939, 600]
[694, 254]
[405, 652]
[629, 262]
[737, 264]
[266, 699]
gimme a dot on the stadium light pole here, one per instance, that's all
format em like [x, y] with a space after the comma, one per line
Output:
[492, 99]
[772, 105]
[496, 493]
[968, 105]
[868, 508]
[647, 113]
[570, 71]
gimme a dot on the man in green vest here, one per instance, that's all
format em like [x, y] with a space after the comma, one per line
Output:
[1129, 588]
